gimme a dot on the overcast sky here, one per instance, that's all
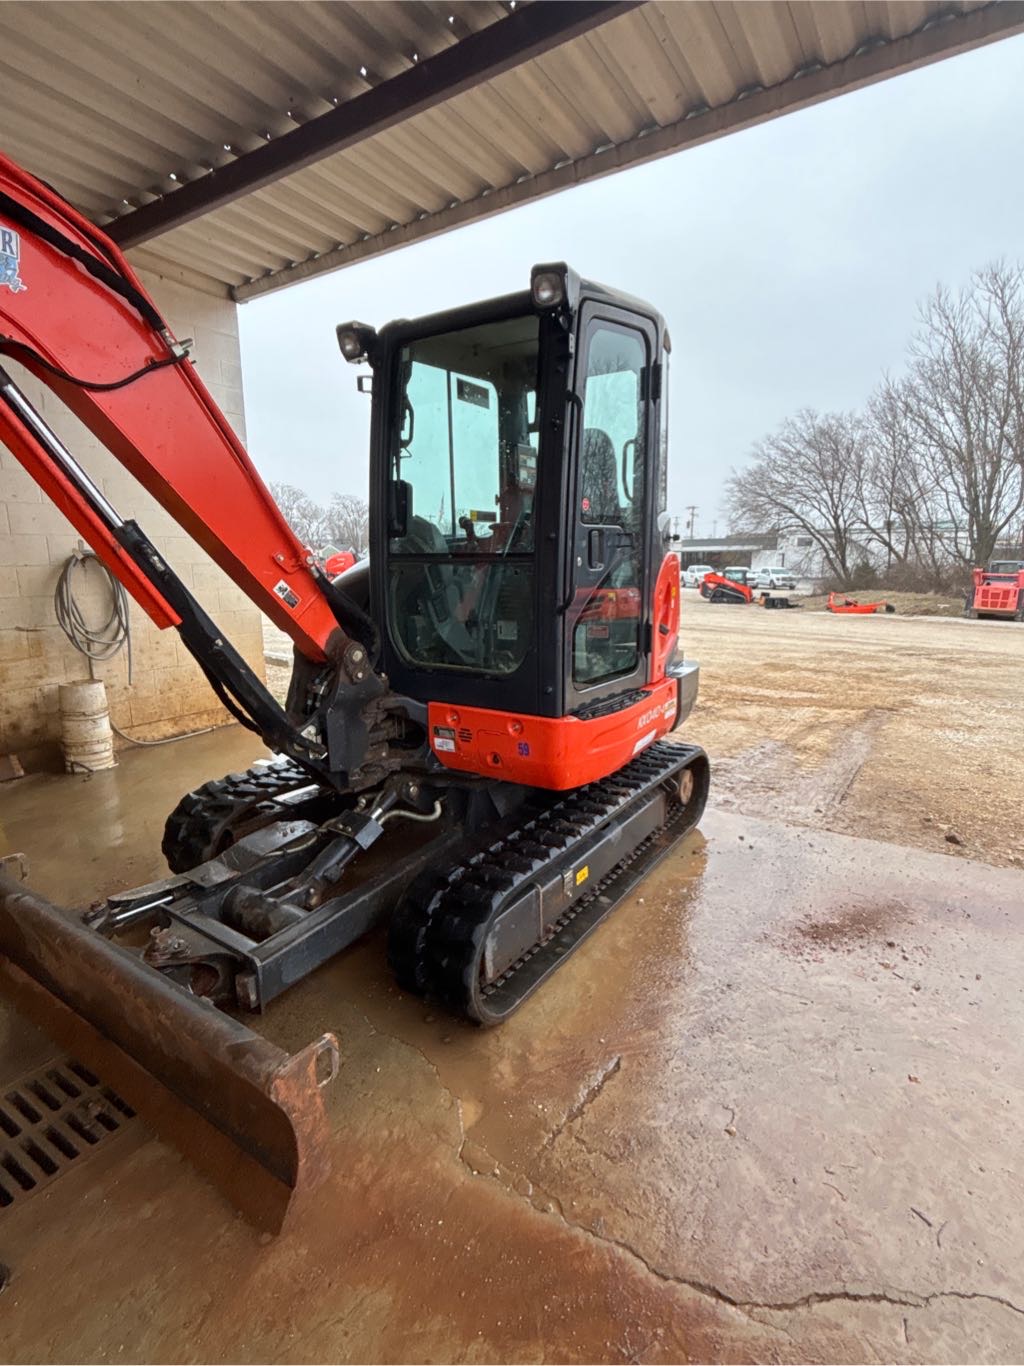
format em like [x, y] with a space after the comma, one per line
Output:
[788, 261]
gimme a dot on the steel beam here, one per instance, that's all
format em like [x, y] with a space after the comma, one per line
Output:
[527, 33]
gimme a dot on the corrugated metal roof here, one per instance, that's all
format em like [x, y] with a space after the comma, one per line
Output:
[115, 103]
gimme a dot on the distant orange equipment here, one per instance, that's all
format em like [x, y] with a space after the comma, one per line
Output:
[337, 564]
[998, 591]
[840, 603]
[717, 588]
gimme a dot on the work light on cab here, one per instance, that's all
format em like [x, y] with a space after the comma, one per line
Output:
[355, 341]
[548, 288]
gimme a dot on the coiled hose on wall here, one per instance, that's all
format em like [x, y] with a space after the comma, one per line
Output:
[101, 643]
[97, 643]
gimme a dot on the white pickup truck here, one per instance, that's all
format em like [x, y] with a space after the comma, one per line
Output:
[773, 576]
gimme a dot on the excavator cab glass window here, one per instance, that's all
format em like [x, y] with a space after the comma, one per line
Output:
[606, 611]
[465, 454]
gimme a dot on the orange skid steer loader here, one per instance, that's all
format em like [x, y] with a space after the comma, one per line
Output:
[997, 591]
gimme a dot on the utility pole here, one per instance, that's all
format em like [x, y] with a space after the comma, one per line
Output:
[692, 510]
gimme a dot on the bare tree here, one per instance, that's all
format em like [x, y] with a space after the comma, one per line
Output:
[965, 408]
[931, 476]
[305, 516]
[347, 522]
[806, 477]
[895, 509]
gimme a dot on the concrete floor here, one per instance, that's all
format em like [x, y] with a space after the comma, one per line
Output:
[771, 1111]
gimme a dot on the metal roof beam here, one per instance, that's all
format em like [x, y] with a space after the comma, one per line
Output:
[940, 37]
[525, 34]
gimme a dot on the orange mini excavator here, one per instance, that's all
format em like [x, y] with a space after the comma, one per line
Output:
[472, 745]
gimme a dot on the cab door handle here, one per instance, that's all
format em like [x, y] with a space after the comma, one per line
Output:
[597, 547]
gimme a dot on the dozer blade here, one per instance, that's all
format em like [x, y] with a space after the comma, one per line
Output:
[249, 1115]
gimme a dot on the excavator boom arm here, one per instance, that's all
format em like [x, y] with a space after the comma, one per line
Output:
[75, 314]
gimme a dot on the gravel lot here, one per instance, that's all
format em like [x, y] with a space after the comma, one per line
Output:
[906, 729]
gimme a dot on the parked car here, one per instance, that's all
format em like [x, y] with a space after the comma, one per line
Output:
[694, 573]
[739, 573]
[774, 576]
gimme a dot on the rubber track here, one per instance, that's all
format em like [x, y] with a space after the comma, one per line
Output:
[195, 830]
[438, 931]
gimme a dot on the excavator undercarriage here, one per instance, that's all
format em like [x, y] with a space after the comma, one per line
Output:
[482, 906]
[477, 746]
[479, 914]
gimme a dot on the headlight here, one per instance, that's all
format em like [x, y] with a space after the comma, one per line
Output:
[355, 341]
[548, 288]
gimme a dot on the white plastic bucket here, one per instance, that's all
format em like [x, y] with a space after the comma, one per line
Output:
[86, 737]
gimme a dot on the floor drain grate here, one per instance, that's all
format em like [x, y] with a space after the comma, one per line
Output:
[49, 1121]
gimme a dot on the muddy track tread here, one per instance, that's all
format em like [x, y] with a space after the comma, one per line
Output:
[438, 930]
[199, 826]
[407, 949]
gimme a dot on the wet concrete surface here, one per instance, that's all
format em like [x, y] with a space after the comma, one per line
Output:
[770, 1111]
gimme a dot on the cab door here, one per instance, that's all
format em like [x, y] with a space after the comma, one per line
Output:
[610, 507]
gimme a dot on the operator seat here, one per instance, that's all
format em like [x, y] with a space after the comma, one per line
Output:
[434, 593]
[599, 479]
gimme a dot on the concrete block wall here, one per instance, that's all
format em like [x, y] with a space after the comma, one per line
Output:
[168, 694]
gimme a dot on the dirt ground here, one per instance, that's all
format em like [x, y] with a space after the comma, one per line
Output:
[769, 1112]
[904, 729]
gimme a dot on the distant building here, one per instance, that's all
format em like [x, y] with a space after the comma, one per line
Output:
[718, 551]
[798, 552]
[793, 550]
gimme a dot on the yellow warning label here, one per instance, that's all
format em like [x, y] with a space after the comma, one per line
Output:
[583, 874]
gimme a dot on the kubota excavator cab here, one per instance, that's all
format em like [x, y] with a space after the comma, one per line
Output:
[518, 478]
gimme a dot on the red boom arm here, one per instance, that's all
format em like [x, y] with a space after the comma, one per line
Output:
[163, 426]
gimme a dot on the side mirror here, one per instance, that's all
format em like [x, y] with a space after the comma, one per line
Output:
[399, 507]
